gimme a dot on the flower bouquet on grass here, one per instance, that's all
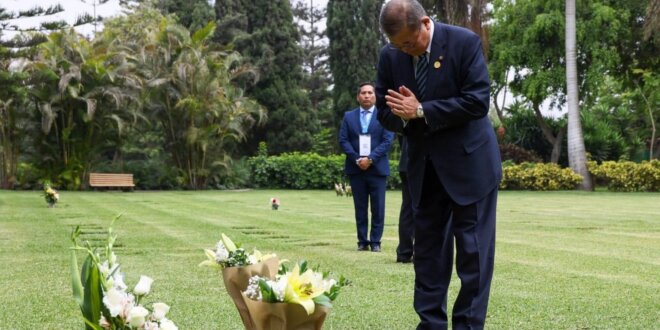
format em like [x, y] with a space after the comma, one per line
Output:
[51, 195]
[238, 266]
[274, 203]
[296, 299]
[103, 296]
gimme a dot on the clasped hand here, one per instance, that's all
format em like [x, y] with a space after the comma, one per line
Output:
[363, 163]
[403, 103]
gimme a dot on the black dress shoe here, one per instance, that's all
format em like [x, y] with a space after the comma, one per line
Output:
[375, 248]
[404, 260]
[362, 247]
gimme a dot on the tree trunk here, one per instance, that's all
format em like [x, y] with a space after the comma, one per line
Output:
[577, 158]
[549, 135]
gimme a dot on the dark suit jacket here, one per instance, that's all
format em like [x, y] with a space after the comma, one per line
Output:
[456, 134]
[381, 141]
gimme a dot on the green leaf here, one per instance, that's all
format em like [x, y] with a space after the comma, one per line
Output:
[203, 33]
[93, 291]
[323, 300]
[267, 293]
[76, 283]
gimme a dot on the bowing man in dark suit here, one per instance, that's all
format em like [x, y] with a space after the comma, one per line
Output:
[366, 145]
[433, 87]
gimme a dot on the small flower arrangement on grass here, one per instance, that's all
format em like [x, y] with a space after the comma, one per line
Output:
[238, 266]
[51, 195]
[299, 298]
[103, 296]
[274, 203]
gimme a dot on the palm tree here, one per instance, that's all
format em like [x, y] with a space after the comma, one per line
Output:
[79, 88]
[577, 158]
[187, 88]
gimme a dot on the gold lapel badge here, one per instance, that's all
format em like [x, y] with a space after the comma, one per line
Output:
[438, 63]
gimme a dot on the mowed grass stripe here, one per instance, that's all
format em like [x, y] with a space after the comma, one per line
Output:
[564, 260]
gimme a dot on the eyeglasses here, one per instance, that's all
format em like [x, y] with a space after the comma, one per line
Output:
[410, 42]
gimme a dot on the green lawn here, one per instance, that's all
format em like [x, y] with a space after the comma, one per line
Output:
[564, 260]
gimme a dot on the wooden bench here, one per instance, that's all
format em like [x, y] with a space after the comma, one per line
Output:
[111, 180]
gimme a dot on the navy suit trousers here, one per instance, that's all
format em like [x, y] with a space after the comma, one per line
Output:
[406, 225]
[439, 223]
[369, 189]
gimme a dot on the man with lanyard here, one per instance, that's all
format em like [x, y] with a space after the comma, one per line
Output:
[366, 145]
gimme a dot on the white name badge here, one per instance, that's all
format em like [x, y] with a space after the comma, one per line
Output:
[365, 144]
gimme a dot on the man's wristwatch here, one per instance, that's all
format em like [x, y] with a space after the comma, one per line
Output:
[420, 111]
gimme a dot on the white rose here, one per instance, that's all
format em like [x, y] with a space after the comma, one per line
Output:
[144, 286]
[160, 309]
[115, 300]
[137, 315]
[166, 324]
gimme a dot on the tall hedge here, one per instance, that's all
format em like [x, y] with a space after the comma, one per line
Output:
[305, 171]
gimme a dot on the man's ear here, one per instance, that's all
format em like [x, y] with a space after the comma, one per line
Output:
[426, 21]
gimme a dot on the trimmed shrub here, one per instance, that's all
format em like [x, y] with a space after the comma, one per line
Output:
[537, 176]
[627, 175]
[304, 171]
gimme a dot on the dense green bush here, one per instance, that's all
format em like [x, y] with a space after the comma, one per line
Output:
[28, 177]
[538, 176]
[510, 151]
[304, 171]
[627, 176]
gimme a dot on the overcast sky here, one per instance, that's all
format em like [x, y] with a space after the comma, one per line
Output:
[72, 10]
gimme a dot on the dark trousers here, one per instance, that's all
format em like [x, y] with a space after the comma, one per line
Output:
[369, 189]
[438, 223]
[406, 226]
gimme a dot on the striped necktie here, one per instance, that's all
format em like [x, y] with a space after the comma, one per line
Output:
[421, 72]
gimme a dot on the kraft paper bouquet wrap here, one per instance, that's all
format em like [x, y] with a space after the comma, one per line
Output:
[298, 299]
[238, 266]
[284, 316]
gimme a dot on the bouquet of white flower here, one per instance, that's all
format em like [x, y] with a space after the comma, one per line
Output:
[104, 298]
[296, 299]
[238, 266]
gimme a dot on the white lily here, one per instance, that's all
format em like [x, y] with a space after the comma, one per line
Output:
[229, 244]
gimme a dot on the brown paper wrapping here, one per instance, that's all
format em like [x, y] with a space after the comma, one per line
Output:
[236, 280]
[285, 316]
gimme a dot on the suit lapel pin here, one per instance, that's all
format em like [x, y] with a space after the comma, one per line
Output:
[438, 62]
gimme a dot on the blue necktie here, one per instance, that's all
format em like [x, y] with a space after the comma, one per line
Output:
[364, 121]
[421, 72]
